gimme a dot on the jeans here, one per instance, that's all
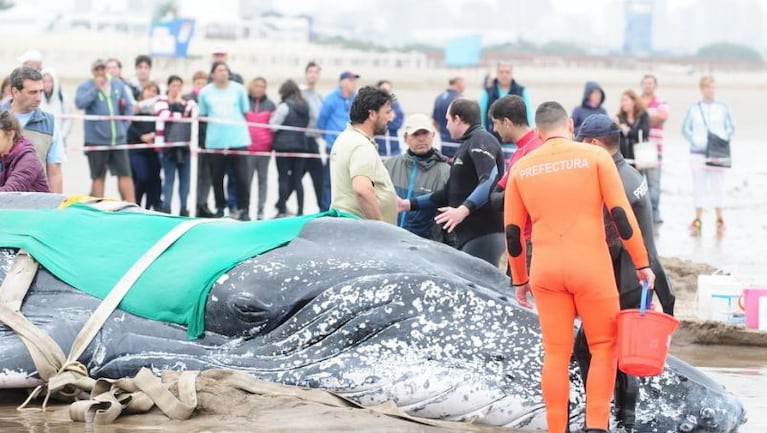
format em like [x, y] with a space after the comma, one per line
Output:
[145, 169]
[259, 164]
[170, 164]
[653, 187]
[325, 202]
[314, 167]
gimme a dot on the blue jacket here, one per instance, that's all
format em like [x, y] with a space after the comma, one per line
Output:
[388, 145]
[581, 112]
[334, 115]
[91, 99]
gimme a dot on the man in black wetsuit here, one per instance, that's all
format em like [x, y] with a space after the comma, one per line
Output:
[600, 130]
[463, 202]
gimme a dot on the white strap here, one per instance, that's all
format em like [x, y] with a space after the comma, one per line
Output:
[116, 295]
[18, 280]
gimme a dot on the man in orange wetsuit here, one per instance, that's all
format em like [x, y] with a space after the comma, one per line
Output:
[563, 186]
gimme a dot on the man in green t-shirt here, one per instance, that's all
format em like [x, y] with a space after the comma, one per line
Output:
[360, 184]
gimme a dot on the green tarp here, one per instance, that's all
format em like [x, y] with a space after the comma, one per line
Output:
[91, 250]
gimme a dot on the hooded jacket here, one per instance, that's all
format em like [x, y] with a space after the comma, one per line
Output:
[413, 175]
[581, 112]
[57, 103]
[21, 170]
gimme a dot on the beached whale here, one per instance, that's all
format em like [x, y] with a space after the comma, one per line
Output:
[368, 311]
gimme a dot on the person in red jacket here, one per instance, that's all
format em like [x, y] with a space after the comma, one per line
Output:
[20, 169]
[563, 186]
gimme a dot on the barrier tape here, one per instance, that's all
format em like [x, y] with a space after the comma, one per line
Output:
[313, 131]
[159, 147]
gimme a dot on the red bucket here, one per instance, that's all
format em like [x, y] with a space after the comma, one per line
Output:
[643, 340]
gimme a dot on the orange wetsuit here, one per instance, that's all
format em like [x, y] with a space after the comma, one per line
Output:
[563, 187]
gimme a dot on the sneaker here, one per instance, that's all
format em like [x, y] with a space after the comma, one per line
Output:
[720, 227]
[184, 212]
[695, 227]
[219, 213]
[260, 215]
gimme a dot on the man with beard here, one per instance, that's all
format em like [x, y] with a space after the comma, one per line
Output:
[359, 181]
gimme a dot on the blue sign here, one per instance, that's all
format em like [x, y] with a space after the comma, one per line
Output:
[171, 38]
[463, 51]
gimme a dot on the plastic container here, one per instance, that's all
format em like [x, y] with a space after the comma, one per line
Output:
[750, 303]
[715, 296]
[763, 314]
[643, 339]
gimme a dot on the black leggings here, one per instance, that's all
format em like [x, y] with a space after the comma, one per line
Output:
[219, 164]
[290, 170]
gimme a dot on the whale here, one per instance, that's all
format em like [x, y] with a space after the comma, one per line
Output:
[365, 310]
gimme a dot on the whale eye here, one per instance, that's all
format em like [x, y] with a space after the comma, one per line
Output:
[686, 427]
[707, 413]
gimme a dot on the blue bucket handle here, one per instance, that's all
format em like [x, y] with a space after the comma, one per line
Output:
[643, 303]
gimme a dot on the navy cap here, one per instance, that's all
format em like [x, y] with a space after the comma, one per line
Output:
[347, 74]
[597, 125]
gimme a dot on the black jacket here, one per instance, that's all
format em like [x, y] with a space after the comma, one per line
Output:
[625, 273]
[473, 163]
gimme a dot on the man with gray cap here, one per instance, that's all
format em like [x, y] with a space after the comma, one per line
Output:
[600, 130]
[420, 170]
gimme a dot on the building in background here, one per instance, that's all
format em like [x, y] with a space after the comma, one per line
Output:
[637, 36]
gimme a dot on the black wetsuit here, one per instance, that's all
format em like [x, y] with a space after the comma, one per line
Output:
[626, 387]
[475, 170]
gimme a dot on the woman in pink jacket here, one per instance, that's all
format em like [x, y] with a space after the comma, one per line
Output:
[20, 168]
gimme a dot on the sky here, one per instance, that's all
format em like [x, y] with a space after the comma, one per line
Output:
[595, 25]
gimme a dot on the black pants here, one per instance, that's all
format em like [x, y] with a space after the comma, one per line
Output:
[290, 170]
[219, 164]
[203, 179]
[313, 166]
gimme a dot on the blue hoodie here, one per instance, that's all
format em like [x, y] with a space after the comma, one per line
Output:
[334, 115]
[94, 101]
[585, 110]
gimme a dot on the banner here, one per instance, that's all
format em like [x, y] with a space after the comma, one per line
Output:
[171, 38]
